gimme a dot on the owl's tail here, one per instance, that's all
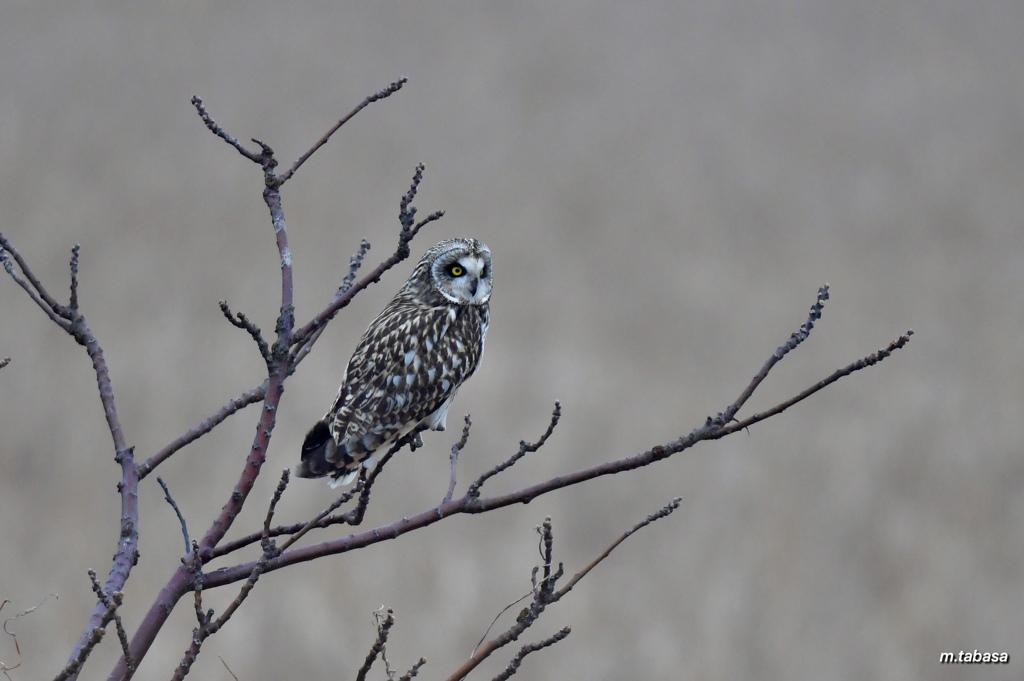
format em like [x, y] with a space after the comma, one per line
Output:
[314, 463]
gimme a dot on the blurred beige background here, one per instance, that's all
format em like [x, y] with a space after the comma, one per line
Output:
[664, 186]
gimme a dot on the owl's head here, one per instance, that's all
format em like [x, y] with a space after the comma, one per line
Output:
[459, 270]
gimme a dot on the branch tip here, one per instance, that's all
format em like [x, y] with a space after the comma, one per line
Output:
[456, 449]
[377, 96]
[73, 303]
[240, 321]
[524, 449]
[177, 511]
[215, 128]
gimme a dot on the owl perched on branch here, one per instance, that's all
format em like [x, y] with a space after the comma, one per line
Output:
[409, 364]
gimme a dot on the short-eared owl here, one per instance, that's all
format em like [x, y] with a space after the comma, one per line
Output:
[409, 364]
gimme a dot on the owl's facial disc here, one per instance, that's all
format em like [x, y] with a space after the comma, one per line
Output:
[466, 279]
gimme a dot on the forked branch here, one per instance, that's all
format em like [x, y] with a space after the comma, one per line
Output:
[714, 428]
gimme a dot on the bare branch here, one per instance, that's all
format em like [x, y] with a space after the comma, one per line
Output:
[227, 667]
[73, 322]
[36, 285]
[472, 503]
[92, 636]
[407, 213]
[113, 602]
[73, 302]
[295, 532]
[177, 511]
[355, 262]
[666, 510]
[524, 449]
[456, 448]
[91, 639]
[200, 632]
[219, 132]
[194, 567]
[513, 666]
[269, 551]
[868, 361]
[544, 594]
[355, 516]
[282, 485]
[239, 320]
[32, 287]
[204, 427]
[207, 626]
[383, 94]
[383, 628]
[797, 337]
[497, 617]
[409, 675]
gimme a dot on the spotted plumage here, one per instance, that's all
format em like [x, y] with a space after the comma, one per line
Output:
[409, 364]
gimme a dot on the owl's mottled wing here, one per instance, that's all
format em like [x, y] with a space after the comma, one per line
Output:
[409, 362]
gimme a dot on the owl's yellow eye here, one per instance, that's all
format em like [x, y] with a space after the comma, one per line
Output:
[456, 270]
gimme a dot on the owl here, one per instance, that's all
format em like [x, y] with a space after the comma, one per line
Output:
[409, 364]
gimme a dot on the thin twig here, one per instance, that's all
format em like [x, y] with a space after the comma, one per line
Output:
[4, 667]
[219, 132]
[657, 515]
[244, 400]
[513, 665]
[325, 518]
[282, 485]
[355, 516]
[524, 448]
[113, 602]
[409, 675]
[295, 531]
[456, 448]
[494, 621]
[246, 589]
[73, 302]
[207, 626]
[30, 284]
[795, 339]
[73, 322]
[383, 628]
[177, 511]
[871, 360]
[315, 522]
[409, 229]
[383, 94]
[239, 320]
[355, 262]
[544, 594]
[227, 667]
[91, 639]
[33, 280]
[193, 563]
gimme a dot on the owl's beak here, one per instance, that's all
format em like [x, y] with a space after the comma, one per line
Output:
[472, 288]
